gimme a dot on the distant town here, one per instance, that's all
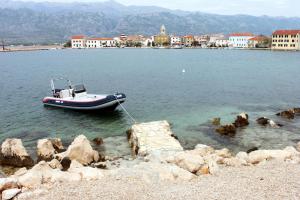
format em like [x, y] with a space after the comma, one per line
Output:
[280, 40]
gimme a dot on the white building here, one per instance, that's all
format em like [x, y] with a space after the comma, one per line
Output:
[240, 40]
[100, 42]
[175, 40]
[78, 41]
[148, 41]
[213, 39]
[222, 42]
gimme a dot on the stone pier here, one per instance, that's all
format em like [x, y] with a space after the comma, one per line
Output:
[146, 138]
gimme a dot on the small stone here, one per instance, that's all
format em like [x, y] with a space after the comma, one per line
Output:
[10, 193]
[98, 141]
[216, 121]
[252, 149]
[101, 165]
[55, 164]
[204, 170]
[65, 162]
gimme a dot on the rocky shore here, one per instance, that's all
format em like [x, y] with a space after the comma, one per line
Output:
[159, 169]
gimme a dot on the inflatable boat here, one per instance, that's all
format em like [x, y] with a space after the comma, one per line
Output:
[76, 97]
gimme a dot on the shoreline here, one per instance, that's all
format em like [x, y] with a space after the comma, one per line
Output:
[159, 168]
[20, 48]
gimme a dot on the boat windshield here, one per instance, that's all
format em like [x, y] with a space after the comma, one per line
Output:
[79, 88]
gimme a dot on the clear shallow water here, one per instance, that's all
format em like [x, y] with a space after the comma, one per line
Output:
[217, 83]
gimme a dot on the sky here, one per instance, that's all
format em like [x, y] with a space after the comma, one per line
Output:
[287, 8]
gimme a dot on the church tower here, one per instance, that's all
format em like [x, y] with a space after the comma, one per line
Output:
[163, 30]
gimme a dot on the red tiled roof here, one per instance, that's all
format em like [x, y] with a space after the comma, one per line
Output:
[188, 36]
[77, 37]
[240, 34]
[100, 39]
[259, 38]
[286, 32]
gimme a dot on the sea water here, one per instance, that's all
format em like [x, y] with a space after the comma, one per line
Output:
[215, 83]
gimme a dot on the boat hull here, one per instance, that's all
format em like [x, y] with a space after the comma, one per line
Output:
[108, 103]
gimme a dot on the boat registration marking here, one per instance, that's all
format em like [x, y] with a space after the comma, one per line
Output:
[59, 102]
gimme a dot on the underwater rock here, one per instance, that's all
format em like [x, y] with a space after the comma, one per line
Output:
[98, 141]
[13, 153]
[296, 110]
[241, 120]
[216, 121]
[265, 121]
[288, 114]
[228, 129]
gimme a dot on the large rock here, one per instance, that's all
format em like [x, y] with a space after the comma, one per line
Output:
[265, 121]
[228, 129]
[258, 156]
[13, 153]
[288, 114]
[42, 173]
[80, 150]
[145, 138]
[156, 172]
[188, 160]
[86, 173]
[203, 150]
[241, 120]
[47, 148]
[10, 193]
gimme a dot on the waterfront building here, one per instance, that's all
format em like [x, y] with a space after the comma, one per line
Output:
[213, 39]
[202, 40]
[148, 42]
[259, 41]
[78, 41]
[240, 40]
[162, 39]
[286, 40]
[100, 42]
[222, 42]
[188, 40]
[175, 40]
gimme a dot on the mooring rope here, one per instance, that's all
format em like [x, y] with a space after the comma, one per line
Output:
[130, 116]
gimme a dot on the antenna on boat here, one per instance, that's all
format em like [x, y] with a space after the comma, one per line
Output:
[52, 86]
[3, 45]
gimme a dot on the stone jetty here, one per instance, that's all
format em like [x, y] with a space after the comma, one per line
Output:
[146, 138]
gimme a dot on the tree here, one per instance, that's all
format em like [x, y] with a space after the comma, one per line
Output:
[166, 44]
[149, 44]
[68, 44]
[153, 44]
[195, 43]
